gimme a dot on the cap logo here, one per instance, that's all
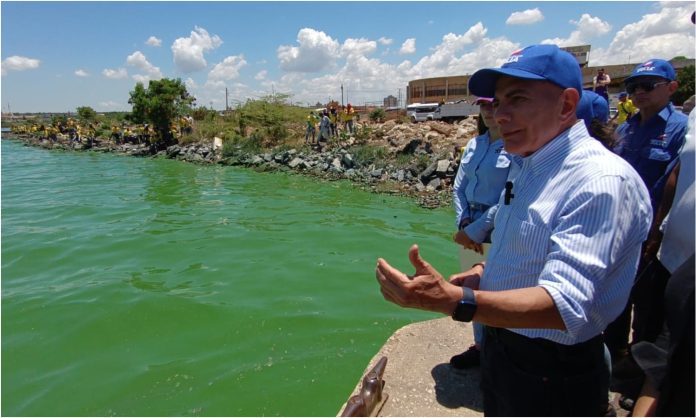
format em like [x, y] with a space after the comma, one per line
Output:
[513, 58]
[645, 67]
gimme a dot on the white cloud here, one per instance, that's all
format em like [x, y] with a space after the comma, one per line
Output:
[81, 73]
[316, 51]
[188, 52]
[228, 69]
[110, 104]
[19, 63]
[190, 84]
[451, 46]
[664, 34]
[261, 75]
[385, 41]
[526, 17]
[358, 47]
[588, 27]
[153, 41]
[408, 47]
[115, 74]
[139, 61]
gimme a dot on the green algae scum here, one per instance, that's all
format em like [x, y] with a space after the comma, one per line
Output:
[154, 287]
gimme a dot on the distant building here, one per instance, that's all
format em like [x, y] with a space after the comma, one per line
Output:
[453, 88]
[391, 101]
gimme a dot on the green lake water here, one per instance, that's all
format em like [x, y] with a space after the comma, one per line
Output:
[155, 287]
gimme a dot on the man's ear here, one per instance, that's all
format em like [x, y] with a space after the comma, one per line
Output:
[673, 86]
[570, 98]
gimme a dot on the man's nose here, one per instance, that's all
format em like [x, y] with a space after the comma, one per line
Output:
[501, 114]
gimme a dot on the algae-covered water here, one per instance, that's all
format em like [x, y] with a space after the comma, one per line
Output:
[155, 287]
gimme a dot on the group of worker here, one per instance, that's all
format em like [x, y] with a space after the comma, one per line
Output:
[123, 133]
[327, 122]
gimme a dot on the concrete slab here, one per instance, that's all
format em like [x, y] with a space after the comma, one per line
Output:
[418, 378]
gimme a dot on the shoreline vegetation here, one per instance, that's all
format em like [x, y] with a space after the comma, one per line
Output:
[415, 160]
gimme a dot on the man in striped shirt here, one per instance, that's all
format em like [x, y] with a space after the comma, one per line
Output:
[564, 252]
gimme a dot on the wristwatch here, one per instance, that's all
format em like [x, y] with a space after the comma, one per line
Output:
[466, 308]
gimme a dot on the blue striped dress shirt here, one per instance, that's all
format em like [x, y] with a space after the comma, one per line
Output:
[574, 227]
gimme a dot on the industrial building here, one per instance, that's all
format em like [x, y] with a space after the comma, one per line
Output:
[453, 88]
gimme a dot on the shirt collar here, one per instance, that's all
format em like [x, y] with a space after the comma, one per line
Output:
[554, 151]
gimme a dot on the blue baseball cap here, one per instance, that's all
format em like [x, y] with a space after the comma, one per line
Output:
[592, 106]
[622, 94]
[654, 67]
[535, 62]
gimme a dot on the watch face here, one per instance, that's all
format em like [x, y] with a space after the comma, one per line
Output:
[466, 308]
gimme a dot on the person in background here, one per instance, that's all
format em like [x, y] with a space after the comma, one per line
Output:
[324, 128]
[594, 111]
[668, 362]
[348, 114]
[649, 141]
[480, 180]
[564, 250]
[600, 84]
[625, 109]
[333, 120]
[311, 128]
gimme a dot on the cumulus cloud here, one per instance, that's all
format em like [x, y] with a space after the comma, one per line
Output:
[664, 34]
[154, 41]
[358, 47]
[451, 46]
[115, 74]
[228, 69]
[261, 75]
[188, 52]
[588, 27]
[139, 61]
[81, 73]
[316, 51]
[408, 47]
[19, 63]
[385, 41]
[526, 17]
[190, 83]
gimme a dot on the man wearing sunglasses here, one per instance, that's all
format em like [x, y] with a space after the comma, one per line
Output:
[649, 140]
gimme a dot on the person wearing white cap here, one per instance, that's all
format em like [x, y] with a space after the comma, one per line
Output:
[564, 249]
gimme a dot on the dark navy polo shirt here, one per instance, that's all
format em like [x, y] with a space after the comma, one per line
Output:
[652, 147]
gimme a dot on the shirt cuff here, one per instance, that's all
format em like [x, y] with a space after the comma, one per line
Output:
[477, 230]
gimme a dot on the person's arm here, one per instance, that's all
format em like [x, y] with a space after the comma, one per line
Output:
[652, 244]
[461, 205]
[646, 404]
[427, 290]
[480, 228]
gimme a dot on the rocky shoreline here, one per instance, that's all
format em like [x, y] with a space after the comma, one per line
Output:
[431, 186]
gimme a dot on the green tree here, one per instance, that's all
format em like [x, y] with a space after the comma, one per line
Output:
[86, 113]
[160, 104]
[138, 98]
[685, 77]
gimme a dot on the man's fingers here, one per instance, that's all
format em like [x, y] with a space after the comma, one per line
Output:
[416, 260]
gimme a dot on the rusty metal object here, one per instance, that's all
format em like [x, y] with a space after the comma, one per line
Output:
[371, 397]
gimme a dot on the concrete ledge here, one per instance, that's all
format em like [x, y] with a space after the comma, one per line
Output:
[418, 378]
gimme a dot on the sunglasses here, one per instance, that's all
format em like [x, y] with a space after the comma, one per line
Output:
[646, 86]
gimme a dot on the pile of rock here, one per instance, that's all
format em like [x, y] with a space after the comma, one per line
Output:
[431, 142]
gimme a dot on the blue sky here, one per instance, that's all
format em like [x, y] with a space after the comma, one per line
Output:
[57, 56]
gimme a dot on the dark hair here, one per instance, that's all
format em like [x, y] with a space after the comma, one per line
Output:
[603, 133]
[482, 128]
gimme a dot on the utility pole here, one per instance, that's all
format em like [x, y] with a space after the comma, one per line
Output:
[227, 103]
[398, 103]
[341, 94]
